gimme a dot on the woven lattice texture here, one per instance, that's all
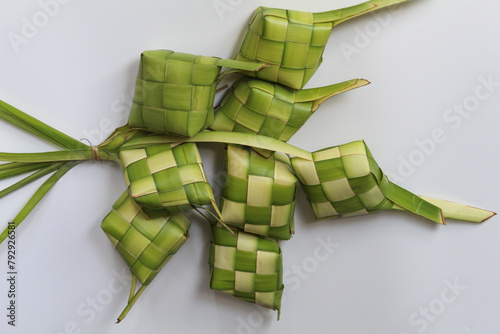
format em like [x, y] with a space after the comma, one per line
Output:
[249, 267]
[164, 176]
[174, 92]
[343, 181]
[289, 40]
[144, 244]
[259, 107]
[272, 110]
[259, 193]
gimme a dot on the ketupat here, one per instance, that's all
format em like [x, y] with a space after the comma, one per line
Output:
[166, 176]
[145, 244]
[174, 91]
[345, 181]
[272, 110]
[249, 267]
[292, 42]
[259, 193]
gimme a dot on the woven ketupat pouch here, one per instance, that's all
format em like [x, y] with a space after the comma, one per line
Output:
[145, 244]
[343, 181]
[175, 91]
[249, 267]
[259, 193]
[166, 176]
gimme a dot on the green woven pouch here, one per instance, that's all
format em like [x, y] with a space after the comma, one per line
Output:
[166, 176]
[259, 193]
[345, 181]
[272, 110]
[292, 41]
[174, 91]
[249, 267]
[145, 244]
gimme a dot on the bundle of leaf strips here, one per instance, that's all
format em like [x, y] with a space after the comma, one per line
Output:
[164, 173]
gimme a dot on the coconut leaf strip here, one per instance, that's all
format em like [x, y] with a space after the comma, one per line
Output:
[224, 137]
[338, 16]
[15, 165]
[19, 168]
[218, 218]
[37, 197]
[120, 136]
[131, 303]
[19, 124]
[33, 177]
[413, 203]
[70, 155]
[42, 130]
[459, 211]
[321, 94]
[133, 287]
[241, 65]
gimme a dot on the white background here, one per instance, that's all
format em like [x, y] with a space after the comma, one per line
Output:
[77, 73]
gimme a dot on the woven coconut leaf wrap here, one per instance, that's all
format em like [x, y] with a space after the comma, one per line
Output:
[166, 176]
[345, 181]
[292, 41]
[249, 267]
[259, 193]
[174, 91]
[144, 244]
[272, 110]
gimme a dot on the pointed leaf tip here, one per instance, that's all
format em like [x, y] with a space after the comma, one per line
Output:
[460, 211]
